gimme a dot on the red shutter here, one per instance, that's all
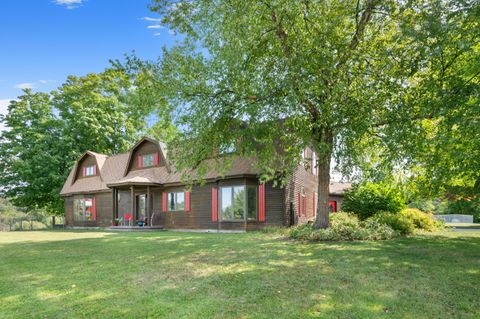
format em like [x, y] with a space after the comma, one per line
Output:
[261, 202]
[306, 205]
[299, 204]
[95, 169]
[187, 201]
[94, 208]
[155, 161]
[139, 161]
[84, 171]
[164, 201]
[214, 204]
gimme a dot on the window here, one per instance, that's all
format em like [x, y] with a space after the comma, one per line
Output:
[238, 203]
[252, 202]
[304, 203]
[228, 148]
[90, 170]
[314, 164]
[148, 160]
[83, 209]
[141, 206]
[176, 201]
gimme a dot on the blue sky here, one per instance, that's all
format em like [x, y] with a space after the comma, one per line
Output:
[44, 41]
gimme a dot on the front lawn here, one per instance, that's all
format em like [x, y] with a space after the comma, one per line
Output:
[253, 275]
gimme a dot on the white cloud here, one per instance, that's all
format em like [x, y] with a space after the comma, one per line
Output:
[3, 110]
[69, 4]
[46, 81]
[26, 85]
[171, 32]
[32, 85]
[151, 19]
[154, 24]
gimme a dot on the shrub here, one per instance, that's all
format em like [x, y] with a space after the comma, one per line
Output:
[367, 199]
[408, 220]
[397, 222]
[421, 220]
[343, 227]
[379, 231]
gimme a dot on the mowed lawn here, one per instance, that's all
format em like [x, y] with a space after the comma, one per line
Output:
[252, 275]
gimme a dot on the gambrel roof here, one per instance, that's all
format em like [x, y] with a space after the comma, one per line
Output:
[113, 171]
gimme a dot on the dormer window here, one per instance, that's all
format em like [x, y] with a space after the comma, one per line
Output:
[148, 160]
[89, 170]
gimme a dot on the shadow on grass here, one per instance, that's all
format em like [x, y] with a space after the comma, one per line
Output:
[174, 275]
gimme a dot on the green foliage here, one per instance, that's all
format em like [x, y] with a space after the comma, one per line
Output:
[421, 220]
[408, 221]
[396, 221]
[425, 205]
[343, 227]
[369, 198]
[48, 132]
[244, 69]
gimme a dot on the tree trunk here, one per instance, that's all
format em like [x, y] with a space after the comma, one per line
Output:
[324, 149]
[323, 195]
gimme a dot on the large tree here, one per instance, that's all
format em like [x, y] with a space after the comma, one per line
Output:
[334, 75]
[47, 132]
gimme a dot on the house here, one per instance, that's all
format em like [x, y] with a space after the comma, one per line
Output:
[141, 188]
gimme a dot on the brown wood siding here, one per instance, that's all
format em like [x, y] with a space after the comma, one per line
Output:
[68, 210]
[304, 177]
[144, 149]
[200, 215]
[301, 177]
[274, 205]
[88, 160]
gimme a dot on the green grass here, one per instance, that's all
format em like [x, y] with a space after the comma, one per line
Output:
[253, 275]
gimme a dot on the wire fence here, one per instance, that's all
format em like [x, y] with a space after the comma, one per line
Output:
[24, 223]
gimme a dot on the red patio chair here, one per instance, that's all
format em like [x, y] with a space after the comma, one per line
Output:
[128, 218]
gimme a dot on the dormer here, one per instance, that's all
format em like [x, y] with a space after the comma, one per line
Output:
[89, 165]
[147, 153]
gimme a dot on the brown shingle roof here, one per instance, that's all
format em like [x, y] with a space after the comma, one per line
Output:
[111, 170]
[111, 173]
[337, 188]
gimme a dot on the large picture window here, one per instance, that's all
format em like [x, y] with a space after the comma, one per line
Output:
[238, 203]
[148, 160]
[176, 201]
[84, 209]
